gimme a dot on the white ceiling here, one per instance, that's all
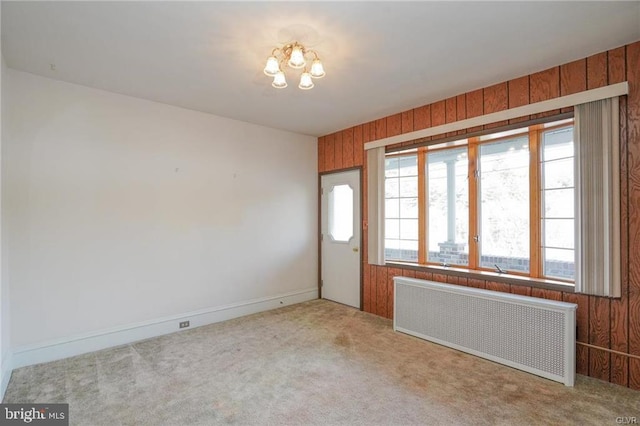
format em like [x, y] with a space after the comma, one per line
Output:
[380, 57]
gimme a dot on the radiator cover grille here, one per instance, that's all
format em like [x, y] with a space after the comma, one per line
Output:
[531, 334]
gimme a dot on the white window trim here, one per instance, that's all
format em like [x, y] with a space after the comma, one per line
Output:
[375, 207]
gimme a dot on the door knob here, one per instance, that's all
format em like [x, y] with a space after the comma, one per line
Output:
[355, 249]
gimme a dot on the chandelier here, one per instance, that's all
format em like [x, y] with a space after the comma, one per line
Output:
[295, 56]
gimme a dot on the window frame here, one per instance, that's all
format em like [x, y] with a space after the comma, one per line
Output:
[535, 131]
[541, 132]
[423, 202]
[419, 181]
[479, 143]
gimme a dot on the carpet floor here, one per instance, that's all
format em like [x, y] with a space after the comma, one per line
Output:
[317, 362]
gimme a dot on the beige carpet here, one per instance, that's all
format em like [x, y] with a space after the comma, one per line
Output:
[313, 363]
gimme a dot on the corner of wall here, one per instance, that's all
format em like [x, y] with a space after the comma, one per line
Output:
[6, 369]
[103, 339]
[5, 352]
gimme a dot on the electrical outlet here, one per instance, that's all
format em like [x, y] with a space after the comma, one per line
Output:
[184, 324]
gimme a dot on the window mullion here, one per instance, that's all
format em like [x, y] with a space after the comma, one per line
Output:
[422, 207]
[535, 202]
[473, 203]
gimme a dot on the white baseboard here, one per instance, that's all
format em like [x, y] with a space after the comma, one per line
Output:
[5, 373]
[90, 342]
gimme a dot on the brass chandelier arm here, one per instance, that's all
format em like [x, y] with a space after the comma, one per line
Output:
[315, 54]
[288, 48]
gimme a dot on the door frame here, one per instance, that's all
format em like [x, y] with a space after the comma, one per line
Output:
[361, 267]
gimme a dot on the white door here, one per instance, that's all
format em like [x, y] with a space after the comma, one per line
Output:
[340, 239]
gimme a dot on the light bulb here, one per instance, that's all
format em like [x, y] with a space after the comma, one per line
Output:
[317, 70]
[305, 81]
[297, 57]
[272, 66]
[279, 81]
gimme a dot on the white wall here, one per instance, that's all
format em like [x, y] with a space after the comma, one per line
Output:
[5, 354]
[121, 210]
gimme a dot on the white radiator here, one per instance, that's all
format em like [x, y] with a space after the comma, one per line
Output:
[528, 333]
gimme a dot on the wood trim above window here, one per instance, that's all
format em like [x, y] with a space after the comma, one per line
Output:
[600, 93]
[519, 125]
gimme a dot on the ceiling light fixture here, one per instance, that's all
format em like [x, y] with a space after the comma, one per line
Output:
[293, 55]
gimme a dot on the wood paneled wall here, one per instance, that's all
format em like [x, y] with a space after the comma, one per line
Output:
[602, 322]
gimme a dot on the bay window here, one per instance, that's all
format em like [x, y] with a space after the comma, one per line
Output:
[501, 202]
[557, 202]
[504, 204]
[448, 206]
[401, 208]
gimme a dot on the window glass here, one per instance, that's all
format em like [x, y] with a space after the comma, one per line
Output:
[557, 215]
[504, 204]
[448, 206]
[341, 213]
[401, 208]
[502, 208]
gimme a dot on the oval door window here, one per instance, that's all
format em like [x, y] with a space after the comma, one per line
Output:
[341, 213]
